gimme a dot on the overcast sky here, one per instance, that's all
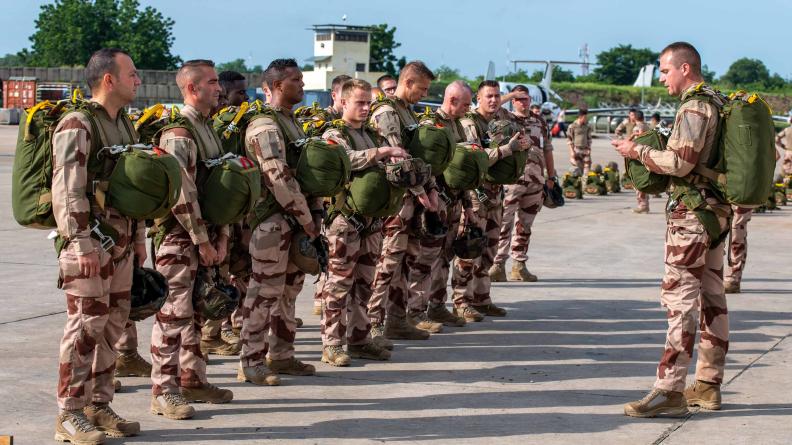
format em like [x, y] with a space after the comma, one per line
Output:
[465, 34]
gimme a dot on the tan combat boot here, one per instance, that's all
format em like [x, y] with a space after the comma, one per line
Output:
[72, 426]
[490, 310]
[640, 210]
[258, 375]
[731, 288]
[369, 351]
[421, 321]
[519, 272]
[207, 393]
[704, 394]
[229, 336]
[172, 406]
[658, 403]
[440, 314]
[217, 346]
[469, 313]
[397, 328]
[378, 337]
[335, 356]
[290, 366]
[131, 364]
[497, 273]
[107, 421]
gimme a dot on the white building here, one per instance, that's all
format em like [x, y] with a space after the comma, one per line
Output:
[339, 49]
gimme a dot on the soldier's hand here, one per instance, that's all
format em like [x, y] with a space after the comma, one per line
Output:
[518, 143]
[311, 229]
[140, 253]
[394, 153]
[207, 253]
[221, 245]
[89, 264]
[423, 198]
[625, 147]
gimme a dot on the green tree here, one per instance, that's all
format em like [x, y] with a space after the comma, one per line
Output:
[559, 75]
[707, 74]
[383, 44]
[620, 65]
[745, 72]
[445, 73]
[13, 60]
[69, 31]
[239, 66]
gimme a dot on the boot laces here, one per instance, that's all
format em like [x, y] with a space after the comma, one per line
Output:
[652, 394]
[175, 399]
[80, 421]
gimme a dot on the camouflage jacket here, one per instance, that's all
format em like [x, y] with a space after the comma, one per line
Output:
[579, 136]
[784, 139]
[266, 143]
[189, 149]
[72, 205]
[625, 128]
[360, 146]
[535, 129]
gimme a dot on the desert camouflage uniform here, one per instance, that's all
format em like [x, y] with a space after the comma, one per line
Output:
[97, 308]
[237, 268]
[128, 341]
[625, 128]
[176, 357]
[784, 140]
[352, 254]
[738, 245]
[524, 199]
[269, 325]
[641, 197]
[470, 278]
[399, 246]
[579, 141]
[693, 278]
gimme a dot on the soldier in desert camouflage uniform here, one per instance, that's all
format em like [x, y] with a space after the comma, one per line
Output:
[737, 251]
[269, 324]
[183, 240]
[579, 141]
[640, 126]
[523, 200]
[784, 141]
[96, 281]
[692, 289]
[354, 246]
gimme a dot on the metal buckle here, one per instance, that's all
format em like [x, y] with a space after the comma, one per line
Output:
[355, 222]
[482, 197]
[232, 128]
[105, 241]
[209, 163]
[446, 199]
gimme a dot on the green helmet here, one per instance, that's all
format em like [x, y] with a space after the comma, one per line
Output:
[149, 291]
[501, 130]
[310, 256]
[408, 173]
[613, 166]
[597, 169]
[213, 298]
[470, 244]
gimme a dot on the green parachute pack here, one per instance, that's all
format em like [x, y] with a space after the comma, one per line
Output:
[433, 143]
[313, 119]
[150, 121]
[468, 167]
[612, 179]
[228, 123]
[595, 182]
[640, 177]
[572, 185]
[141, 183]
[509, 169]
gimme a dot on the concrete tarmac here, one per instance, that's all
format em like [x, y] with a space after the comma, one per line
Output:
[573, 349]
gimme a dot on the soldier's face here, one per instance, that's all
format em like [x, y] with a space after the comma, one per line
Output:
[222, 101]
[237, 93]
[291, 87]
[672, 76]
[388, 87]
[489, 99]
[522, 105]
[356, 106]
[207, 90]
[459, 104]
[416, 89]
[126, 81]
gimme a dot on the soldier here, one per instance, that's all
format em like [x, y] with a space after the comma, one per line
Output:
[579, 140]
[391, 292]
[456, 102]
[96, 281]
[694, 251]
[525, 198]
[625, 127]
[387, 84]
[221, 337]
[353, 251]
[784, 142]
[129, 363]
[335, 93]
[269, 325]
[183, 239]
[471, 281]
[639, 126]
[738, 249]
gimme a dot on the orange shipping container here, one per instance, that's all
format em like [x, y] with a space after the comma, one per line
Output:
[19, 92]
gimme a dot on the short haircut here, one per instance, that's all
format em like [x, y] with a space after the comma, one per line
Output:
[639, 115]
[632, 110]
[226, 78]
[656, 116]
[417, 67]
[488, 83]
[102, 62]
[583, 112]
[683, 52]
[352, 84]
[338, 81]
[459, 84]
[522, 88]
[190, 71]
[383, 78]
[536, 106]
[277, 70]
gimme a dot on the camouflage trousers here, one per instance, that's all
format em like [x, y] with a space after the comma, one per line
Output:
[642, 199]
[269, 326]
[738, 245]
[347, 288]
[692, 293]
[389, 282]
[581, 158]
[786, 167]
[522, 203]
[470, 278]
[97, 310]
[176, 359]
[441, 268]
[129, 338]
